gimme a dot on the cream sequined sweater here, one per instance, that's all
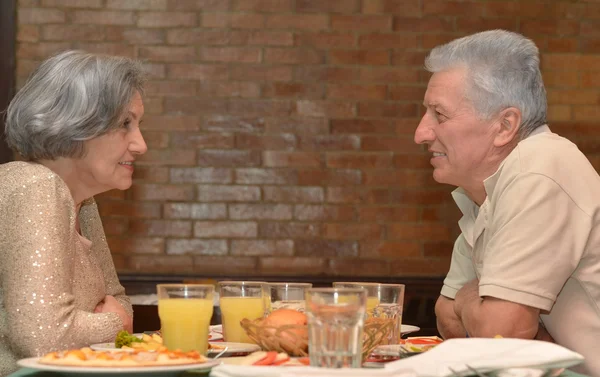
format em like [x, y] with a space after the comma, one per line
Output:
[51, 278]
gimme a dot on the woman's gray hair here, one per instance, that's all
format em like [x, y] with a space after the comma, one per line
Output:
[503, 70]
[71, 97]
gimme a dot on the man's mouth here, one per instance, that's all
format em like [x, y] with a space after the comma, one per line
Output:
[438, 154]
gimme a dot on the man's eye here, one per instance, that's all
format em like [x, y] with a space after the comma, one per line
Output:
[441, 117]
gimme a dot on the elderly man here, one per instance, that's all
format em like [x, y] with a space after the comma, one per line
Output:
[527, 262]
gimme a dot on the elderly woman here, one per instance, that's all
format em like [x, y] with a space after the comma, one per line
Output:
[75, 124]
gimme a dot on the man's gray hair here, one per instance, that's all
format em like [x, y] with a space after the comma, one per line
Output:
[503, 70]
[71, 97]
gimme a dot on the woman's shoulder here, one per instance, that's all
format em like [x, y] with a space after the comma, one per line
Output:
[18, 175]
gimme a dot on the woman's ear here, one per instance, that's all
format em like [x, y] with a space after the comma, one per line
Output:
[510, 121]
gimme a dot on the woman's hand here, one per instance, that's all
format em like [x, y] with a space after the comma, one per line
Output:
[111, 305]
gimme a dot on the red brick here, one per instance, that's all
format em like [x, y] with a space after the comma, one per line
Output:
[261, 73]
[330, 143]
[292, 266]
[263, 5]
[187, 36]
[407, 127]
[291, 159]
[297, 125]
[111, 194]
[326, 74]
[422, 197]
[437, 249]
[28, 33]
[387, 109]
[143, 36]
[262, 248]
[329, 177]
[241, 266]
[175, 264]
[171, 88]
[26, 67]
[501, 8]
[220, 123]
[431, 232]
[73, 33]
[337, 109]
[170, 122]
[573, 96]
[153, 105]
[288, 230]
[217, 193]
[190, 140]
[590, 46]
[402, 7]
[225, 229]
[350, 91]
[425, 24]
[130, 209]
[165, 228]
[260, 211]
[293, 194]
[107, 48]
[409, 58]
[362, 22]
[326, 248]
[232, 158]
[550, 27]
[265, 142]
[453, 8]
[388, 75]
[358, 267]
[198, 211]
[197, 72]
[476, 24]
[163, 192]
[72, 3]
[429, 41]
[388, 41]
[588, 79]
[326, 40]
[137, 4]
[418, 267]
[203, 5]
[154, 174]
[396, 144]
[314, 212]
[359, 160]
[360, 126]
[247, 21]
[559, 112]
[259, 108]
[116, 226]
[358, 195]
[177, 157]
[398, 178]
[552, 10]
[389, 249]
[271, 38]
[250, 176]
[194, 106]
[196, 247]
[586, 113]
[231, 54]
[309, 22]
[318, 6]
[165, 19]
[201, 175]
[103, 17]
[407, 93]
[40, 16]
[359, 57]
[167, 53]
[386, 214]
[293, 56]
[40, 51]
[136, 245]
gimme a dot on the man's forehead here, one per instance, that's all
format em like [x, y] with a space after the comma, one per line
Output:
[445, 88]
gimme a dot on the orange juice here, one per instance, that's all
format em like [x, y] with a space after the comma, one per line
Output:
[233, 310]
[372, 303]
[185, 322]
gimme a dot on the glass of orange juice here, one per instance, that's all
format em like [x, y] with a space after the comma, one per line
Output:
[239, 300]
[384, 301]
[185, 311]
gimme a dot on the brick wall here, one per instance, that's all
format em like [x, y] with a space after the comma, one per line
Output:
[280, 131]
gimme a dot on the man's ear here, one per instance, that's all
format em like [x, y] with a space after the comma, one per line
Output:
[510, 121]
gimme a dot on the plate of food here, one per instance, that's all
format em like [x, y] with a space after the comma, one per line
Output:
[86, 360]
[237, 349]
[131, 342]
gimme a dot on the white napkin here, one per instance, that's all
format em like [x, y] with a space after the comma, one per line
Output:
[224, 370]
[486, 354]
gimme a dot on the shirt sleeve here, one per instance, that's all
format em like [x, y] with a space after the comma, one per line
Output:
[91, 225]
[538, 238]
[461, 268]
[37, 266]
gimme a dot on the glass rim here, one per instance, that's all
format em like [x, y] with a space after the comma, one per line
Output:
[370, 284]
[241, 282]
[336, 290]
[281, 284]
[184, 285]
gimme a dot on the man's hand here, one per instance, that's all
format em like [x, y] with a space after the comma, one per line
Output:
[448, 323]
[111, 305]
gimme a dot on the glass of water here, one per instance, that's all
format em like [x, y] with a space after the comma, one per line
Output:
[336, 318]
[287, 295]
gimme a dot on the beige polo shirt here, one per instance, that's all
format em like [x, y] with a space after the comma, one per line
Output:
[536, 240]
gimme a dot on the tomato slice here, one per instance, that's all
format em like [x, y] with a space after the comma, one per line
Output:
[304, 360]
[424, 341]
[267, 360]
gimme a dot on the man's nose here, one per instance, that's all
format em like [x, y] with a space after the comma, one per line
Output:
[424, 132]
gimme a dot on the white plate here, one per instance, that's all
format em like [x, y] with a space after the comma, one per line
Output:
[32, 363]
[111, 346]
[407, 329]
[234, 348]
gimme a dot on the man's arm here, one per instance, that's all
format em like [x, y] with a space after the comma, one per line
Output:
[448, 323]
[489, 316]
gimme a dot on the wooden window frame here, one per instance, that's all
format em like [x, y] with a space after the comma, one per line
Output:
[8, 17]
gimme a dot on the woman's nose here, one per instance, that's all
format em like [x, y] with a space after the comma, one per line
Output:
[138, 145]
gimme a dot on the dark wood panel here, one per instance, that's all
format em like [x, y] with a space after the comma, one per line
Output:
[8, 16]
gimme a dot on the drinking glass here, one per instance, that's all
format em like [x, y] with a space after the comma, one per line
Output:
[384, 303]
[185, 311]
[335, 326]
[287, 295]
[239, 300]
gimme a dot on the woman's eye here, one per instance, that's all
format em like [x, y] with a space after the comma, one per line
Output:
[127, 123]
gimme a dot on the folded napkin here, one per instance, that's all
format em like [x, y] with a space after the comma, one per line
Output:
[224, 370]
[486, 354]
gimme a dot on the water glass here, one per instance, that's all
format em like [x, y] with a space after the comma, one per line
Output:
[335, 326]
[239, 300]
[287, 295]
[384, 305]
[185, 311]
